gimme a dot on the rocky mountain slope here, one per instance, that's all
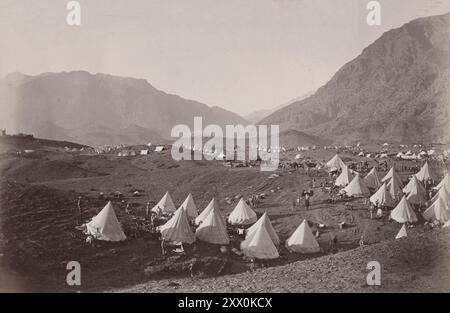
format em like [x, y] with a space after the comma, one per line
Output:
[258, 115]
[98, 109]
[397, 89]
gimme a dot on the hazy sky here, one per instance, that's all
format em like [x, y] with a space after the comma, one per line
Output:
[242, 55]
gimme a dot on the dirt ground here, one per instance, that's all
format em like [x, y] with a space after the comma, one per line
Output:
[38, 216]
[418, 263]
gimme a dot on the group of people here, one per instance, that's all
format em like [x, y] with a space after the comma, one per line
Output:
[254, 201]
[375, 209]
[306, 196]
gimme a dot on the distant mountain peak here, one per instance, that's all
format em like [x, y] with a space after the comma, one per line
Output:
[98, 108]
[396, 89]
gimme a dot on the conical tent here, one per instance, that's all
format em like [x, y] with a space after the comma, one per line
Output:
[335, 164]
[212, 204]
[177, 228]
[264, 221]
[394, 188]
[442, 194]
[445, 182]
[402, 233]
[425, 173]
[438, 211]
[382, 197]
[303, 240]
[259, 245]
[213, 229]
[357, 187]
[415, 191]
[403, 213]
[392, 175]
[447, 224]
[372, 180]
[189, 206]
[242, 214]
[344, 178]
[105, 225]
[165, 205]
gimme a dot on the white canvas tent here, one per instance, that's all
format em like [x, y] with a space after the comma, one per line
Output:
[335, 163]
[415, 191]
[402, 233]
[213, 229]
[165, 205]
[438, 211]
[242, 214]
[344, 178]
[105, 225]
[392, 174]
[372, 180]
[357, 187]
[445, 182]
[425, 173]
[442, 194]
[177, 229]
[403, 213]
[264, 221]
[189, 206]
[447, 224]
[199, 219]
[382, 197]
[259, 245]
[303, 240]
[395, 188]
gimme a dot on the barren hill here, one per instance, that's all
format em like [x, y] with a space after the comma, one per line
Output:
[397, 89]
[98, 109]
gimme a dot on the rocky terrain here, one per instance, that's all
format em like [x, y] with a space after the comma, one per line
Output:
[38, 216]
[98, 109]
[415, 264]
[397, 90]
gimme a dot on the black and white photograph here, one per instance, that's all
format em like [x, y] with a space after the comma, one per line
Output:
[245, 147]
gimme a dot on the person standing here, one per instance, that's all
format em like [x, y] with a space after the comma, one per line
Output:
[147, 210]
[80, 212]
[163, 250]
[191, 269]
[362, 241]
[152, 220]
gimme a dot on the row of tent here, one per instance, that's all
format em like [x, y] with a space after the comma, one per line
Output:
[241, 215]
[261, 239]
[125, 153]
[390, 189]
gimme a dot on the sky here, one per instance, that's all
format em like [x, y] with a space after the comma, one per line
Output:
[242, 55]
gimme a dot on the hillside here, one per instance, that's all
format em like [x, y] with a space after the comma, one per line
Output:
[258, 115]
[25, 142]
[98, 109]
[397, 90]
[292, 138]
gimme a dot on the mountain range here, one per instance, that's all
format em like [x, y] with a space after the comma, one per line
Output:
[397, 89]
[98, 109]
[256, 116]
